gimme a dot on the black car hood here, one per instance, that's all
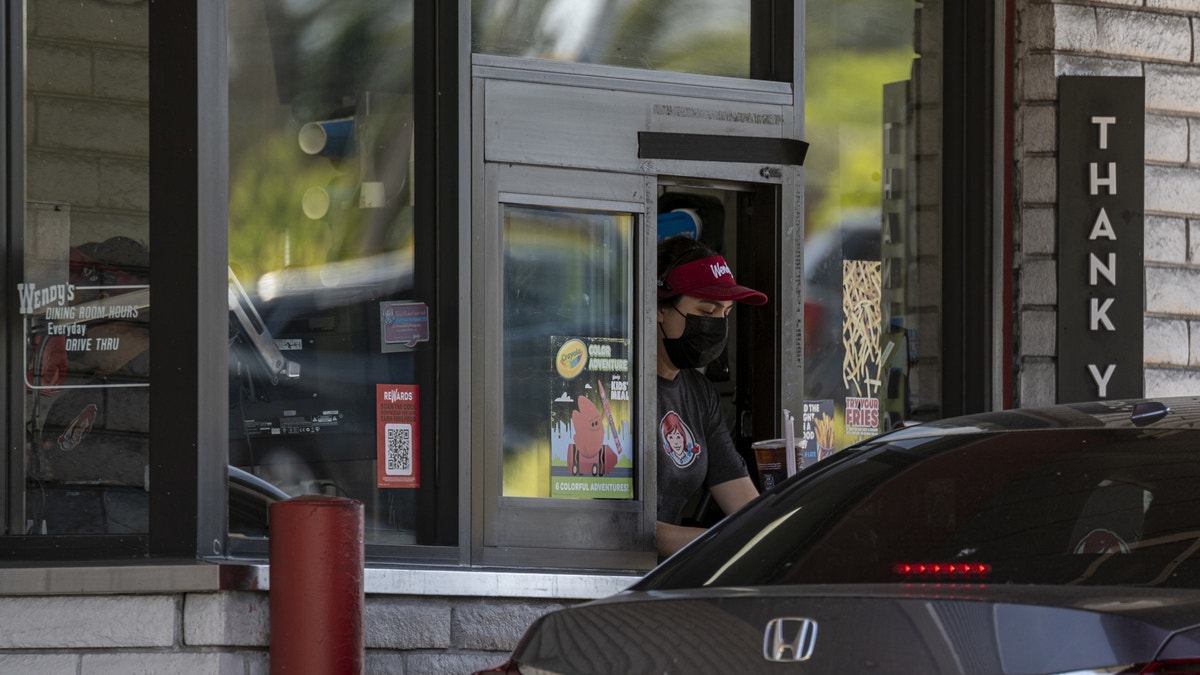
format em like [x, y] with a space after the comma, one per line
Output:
[877, 629]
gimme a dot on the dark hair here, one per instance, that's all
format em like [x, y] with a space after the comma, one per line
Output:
[677, 250]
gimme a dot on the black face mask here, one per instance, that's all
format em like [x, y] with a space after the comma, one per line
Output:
[702, 340]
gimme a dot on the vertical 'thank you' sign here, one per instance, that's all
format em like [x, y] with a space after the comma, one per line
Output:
[1101, 139]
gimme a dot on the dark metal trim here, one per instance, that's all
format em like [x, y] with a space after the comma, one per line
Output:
[12, 476]
[967, 222]
[175, 278]
[711, 148]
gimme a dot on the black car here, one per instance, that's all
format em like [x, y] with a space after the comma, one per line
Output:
[1054, 540]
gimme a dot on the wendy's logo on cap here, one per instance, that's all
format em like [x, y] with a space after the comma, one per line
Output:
[720, 269]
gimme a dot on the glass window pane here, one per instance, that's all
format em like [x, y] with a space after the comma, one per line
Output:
[84, 288]
[711, 37]
[332, 354]
[871, 188]
[568, 313]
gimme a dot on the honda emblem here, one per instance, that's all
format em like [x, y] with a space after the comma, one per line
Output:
[789, 639]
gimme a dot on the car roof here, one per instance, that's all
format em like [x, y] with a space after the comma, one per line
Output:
[1146, 413]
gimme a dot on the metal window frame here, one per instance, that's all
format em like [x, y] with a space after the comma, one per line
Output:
[969, 341]
[189, 204]
[777, 72]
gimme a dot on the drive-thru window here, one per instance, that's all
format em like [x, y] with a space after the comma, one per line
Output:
[404, 252]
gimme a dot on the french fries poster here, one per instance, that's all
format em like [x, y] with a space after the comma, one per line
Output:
[864, 361]
[817, 431]
[591, 437]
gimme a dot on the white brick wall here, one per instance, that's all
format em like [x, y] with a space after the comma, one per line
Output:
[228, 633]
[1157, 39]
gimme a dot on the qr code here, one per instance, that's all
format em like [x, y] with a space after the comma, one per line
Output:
[399, 449]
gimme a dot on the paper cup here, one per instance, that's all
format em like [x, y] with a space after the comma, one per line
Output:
[771, 458]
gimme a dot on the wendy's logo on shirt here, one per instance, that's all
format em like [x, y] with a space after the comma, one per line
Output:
[677, 440]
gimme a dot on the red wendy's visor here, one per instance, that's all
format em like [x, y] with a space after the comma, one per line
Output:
[708, 279]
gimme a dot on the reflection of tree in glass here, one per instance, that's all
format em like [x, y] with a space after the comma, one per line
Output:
[329, 59]
[709, 37]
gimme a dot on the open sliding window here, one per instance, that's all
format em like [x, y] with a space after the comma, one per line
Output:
[562, 472]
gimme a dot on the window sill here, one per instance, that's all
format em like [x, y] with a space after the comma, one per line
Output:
[199, 576]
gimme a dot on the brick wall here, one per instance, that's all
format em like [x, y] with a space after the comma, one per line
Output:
[227, 633]
[1160, 41]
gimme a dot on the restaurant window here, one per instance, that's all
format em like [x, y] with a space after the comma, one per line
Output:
[568, 329]
[79, 461]
[706, 38]
[881, 205]
[334, 311]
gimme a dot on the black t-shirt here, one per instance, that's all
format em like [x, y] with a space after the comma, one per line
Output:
[694, 446]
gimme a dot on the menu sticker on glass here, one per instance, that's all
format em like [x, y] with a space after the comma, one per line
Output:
[398, 436]
[591, 435]
[862, 416]
[817, 437]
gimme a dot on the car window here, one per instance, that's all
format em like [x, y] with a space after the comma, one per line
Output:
[1080, 507]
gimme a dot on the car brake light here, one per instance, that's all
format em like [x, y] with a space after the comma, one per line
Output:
[1172, 667]
[943, 570]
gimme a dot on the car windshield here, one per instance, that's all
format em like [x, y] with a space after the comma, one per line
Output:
[1077, 507]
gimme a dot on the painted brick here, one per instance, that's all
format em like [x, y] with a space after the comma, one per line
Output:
[1172, 190]
[1195, 40]
[1072, 64]
[407, 623]
[450, 663]
[1038, 234]
[42, 664]
[485, 624]
[1038, 283]
[1167, 139]
[1194, 138]
[1036, 26]
[391, 662]
[1075, 28]
[1035, 78]
[1193, 229]
[1172, 290]
[1165, 341]
[1039, 333]
[1166, 239]
[77, 622]
[1171, 87]
[1037, 383]
[1193, 343]
[100, 21]
[95, 126]
[1039, 125]
[123, 75]
[59, 68]
[1186, 6]
[1144, 35]
[160, 663]
[217, 619]
[1171, 382]
[1039, 176]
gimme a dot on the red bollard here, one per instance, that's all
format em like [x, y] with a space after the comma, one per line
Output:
[316, 577]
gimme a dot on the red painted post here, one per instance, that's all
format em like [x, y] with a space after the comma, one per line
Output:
[316, 578]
